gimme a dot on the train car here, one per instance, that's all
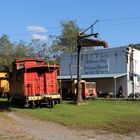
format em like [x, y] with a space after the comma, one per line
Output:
[69, 89]
[4, 84]
[88, 89]
[34, 83]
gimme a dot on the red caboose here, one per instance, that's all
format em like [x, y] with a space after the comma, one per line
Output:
[34, 82]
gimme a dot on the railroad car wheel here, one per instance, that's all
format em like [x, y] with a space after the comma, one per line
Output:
[13, 100]
[38, 104]
[26, 105]
[59, 101]
[51, 103]
[33, 105]
[9, 98]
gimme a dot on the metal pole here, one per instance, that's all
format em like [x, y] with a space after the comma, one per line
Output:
[115, 86]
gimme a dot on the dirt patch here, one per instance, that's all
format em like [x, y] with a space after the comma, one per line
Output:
[17, 127]
[9, 130]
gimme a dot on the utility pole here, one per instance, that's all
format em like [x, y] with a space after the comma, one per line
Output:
[79, 94]
[83, 41]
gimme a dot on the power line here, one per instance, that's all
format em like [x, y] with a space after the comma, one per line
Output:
[118, 24]
[113, 19]
[121, 18]
[56, 29]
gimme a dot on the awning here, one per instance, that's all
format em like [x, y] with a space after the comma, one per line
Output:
[95, 76]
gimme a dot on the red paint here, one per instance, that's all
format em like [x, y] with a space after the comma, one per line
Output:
[32, 77]
[88, 89]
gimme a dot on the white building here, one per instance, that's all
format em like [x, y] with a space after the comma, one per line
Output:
[110, 68]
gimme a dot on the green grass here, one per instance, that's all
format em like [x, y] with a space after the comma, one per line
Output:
[115, 116]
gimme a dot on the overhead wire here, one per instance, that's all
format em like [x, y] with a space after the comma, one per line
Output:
[56, 29]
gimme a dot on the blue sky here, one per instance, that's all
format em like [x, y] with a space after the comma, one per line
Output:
[119, 20]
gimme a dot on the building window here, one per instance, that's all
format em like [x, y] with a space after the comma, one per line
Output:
[38, 62]
[82, 57]
[85, 56]
[21, 65]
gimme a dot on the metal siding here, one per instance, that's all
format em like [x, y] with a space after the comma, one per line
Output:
[51, 82]
[117, 64]
[116, 61]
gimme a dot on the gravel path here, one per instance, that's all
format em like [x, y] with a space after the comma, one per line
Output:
[24, 128]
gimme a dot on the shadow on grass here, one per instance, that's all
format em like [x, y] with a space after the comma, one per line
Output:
[69, 102]
[7, 106]
[75, 103]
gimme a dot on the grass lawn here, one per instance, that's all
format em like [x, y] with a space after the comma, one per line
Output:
[115, 116]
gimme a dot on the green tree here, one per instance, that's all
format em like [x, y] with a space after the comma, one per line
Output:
[6, 53]
[23, 50]
[136, 46]
[40, 49]
[9, 52]
[67, 41]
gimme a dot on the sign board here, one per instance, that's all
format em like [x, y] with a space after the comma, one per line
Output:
[84, 42]
[96, 65]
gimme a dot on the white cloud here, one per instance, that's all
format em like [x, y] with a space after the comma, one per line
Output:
[38, 29]
[39, 37]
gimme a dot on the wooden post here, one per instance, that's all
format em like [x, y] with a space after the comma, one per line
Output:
[79, 94]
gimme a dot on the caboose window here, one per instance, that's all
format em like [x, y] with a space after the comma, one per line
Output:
[21, 65]
[39, 73]
[38, 62]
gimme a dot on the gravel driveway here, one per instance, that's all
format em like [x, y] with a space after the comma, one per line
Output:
[18, 127]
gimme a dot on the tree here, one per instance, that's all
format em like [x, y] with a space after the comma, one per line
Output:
[67, 41]
[136, 46]
[40, 49]
[6, 53]
[23, 50]
[9, 52]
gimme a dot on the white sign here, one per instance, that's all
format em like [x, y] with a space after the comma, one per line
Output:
[91, 66]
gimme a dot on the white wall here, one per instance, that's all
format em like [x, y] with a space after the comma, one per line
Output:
[112, 60]
[136, 61]
[106, 61]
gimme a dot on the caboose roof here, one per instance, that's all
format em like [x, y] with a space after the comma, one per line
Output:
[43, 66]
[29, 59]
[40, 67]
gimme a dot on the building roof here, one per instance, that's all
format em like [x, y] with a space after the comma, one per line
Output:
[95, 76]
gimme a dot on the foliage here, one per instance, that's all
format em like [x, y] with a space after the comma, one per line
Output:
[9, 52]
[23, 50]
[136, 46]
[43, 51]
[6, 53]
[39, 48]
[67, 41]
